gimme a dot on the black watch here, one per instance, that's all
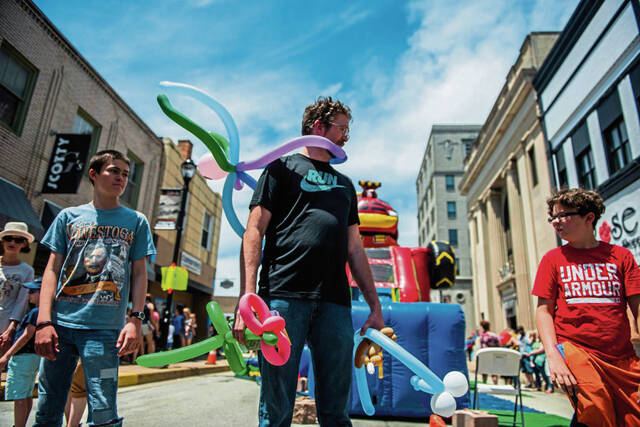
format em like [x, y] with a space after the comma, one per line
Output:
[138, 315]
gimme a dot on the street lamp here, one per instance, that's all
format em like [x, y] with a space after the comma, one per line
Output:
[188, 170]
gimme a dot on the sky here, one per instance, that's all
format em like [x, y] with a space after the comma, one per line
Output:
[401, 66]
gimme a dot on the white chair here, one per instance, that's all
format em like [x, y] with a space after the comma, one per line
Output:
[503, 362]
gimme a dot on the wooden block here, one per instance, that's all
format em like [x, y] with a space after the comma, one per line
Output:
[472, 418]
[304, 411]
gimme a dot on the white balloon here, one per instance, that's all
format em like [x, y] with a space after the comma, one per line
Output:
[371, 369]
[443, 404]
[455, 382]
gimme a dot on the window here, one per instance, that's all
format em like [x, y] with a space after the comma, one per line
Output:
[17, 79]
[84, 124]
[635, 82]
[561, 165]
[382, 273]
[614, 132]
[617, 146]
[451, 209]
[130, 195]
[378, 253]
[586, 169]
[450, 182]
[584, 157]
[468, 144]
[207, 228]
[453, 237]
[457, 265]
[532, 165]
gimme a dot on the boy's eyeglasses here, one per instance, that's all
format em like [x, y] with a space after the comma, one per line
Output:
[14, 239]
[562, 215]
[343, 128]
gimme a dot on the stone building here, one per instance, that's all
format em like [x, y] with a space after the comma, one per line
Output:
[506, 182]
[442, 211]
[589, 90]
[200, 237]
[47, 88]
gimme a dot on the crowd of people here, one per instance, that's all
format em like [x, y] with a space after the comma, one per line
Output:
[533, 362]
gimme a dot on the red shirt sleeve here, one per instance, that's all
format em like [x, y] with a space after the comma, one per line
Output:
[631, 274]
[545, 285]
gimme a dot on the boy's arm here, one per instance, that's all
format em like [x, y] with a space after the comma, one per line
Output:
[46, 342]
[558, 369]
[129, 338]
[17, 313]
[634, 306]
[20, 342]
[250, 253]
[359, 266]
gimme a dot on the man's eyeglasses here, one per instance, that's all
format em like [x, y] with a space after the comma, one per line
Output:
[562, 215]
[343, 128]
[14, 239]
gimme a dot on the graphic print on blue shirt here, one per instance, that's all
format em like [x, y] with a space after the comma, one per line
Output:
[319, 181]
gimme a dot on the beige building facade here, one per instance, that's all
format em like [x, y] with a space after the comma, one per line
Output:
[200, 237]
[506, 183]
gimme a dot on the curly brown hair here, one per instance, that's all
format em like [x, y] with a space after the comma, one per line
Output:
[324, 109]
[586, 201]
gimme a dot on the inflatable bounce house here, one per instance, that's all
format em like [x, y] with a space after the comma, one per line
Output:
[432, 332]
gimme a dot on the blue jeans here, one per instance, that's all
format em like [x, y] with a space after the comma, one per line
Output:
[97, 349]
[328, 330]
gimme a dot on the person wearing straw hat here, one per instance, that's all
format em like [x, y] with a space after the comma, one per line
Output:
[15, 239]
[22, 360]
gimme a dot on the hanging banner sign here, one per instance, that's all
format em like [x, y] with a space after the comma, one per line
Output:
[168, 208]
[620, 223]
[67, 163]
[191, 263]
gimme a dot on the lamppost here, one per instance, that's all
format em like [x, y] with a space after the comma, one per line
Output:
[188, 169]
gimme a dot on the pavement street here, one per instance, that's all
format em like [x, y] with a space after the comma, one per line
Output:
[207, 400]
[193, 393]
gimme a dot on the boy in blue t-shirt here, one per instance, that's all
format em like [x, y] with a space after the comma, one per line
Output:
[95, 249]
[23, 361]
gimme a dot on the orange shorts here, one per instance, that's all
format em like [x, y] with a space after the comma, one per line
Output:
[78, 387]
[607, 392]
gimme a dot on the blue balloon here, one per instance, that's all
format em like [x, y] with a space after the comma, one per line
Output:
[227, 204]
[206, 99]
[425, 378]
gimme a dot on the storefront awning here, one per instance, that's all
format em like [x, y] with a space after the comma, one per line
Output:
[14, 206]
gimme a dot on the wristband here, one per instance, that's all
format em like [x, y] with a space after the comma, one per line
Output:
[43, 325]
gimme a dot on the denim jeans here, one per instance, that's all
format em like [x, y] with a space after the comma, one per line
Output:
[97, 349]
[328, 330]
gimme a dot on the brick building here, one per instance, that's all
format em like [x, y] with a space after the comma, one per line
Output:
[200, 238]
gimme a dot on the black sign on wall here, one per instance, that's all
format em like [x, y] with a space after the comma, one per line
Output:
[67, 163]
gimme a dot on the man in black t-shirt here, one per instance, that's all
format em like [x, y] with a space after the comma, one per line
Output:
[308, 213]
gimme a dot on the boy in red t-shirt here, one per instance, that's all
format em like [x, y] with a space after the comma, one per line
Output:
[583, 289]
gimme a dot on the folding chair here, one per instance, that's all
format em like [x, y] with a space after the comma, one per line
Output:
[503, 362]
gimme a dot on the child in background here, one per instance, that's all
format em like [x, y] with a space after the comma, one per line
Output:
[539, 363]
[23, 361]
[13, 273]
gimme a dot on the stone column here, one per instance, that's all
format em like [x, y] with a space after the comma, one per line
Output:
[495, 249]
[518, 236]
[479, 280]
